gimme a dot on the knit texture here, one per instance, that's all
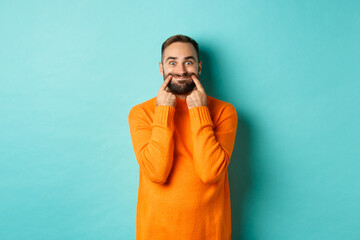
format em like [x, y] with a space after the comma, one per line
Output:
[183, 180]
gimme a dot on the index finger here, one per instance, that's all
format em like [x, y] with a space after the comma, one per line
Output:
[166, 82]
[197, 83]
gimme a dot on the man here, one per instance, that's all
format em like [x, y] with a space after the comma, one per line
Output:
[183, 140]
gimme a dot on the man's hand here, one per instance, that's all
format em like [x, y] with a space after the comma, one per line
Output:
[164, 97]
[197, 97]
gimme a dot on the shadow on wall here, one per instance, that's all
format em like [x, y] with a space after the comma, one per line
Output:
[239, 169]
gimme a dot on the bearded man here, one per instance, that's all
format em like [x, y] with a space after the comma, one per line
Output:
[183, 140]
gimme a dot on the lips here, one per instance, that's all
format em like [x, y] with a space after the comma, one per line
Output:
[181, 79]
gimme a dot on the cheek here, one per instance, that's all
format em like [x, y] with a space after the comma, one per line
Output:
[192, 69]
[168, 69]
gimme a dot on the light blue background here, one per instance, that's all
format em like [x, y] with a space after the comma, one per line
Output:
[71, 70]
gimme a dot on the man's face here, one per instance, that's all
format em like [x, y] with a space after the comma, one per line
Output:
[180, 61]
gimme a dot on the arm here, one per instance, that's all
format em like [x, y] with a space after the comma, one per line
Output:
[152, 141]
[213, 145]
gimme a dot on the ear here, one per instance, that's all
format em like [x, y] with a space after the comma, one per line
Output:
[161, 68]
[200, 67]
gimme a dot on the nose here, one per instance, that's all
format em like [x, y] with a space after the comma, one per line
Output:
[181, 69]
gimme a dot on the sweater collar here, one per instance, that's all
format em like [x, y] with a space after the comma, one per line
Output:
[180, 104]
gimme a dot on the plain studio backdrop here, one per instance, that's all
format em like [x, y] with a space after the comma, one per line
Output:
[70, 71]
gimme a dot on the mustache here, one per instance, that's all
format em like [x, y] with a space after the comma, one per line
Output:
[186, 75]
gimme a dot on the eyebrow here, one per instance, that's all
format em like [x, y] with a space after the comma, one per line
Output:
[186, 58]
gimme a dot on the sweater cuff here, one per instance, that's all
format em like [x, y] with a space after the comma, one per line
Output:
[164, 116]
[199, 116]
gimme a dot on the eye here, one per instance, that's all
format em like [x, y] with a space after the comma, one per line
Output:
[172, 63]
[188, 63]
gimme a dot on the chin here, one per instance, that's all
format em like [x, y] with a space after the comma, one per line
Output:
[181, 90]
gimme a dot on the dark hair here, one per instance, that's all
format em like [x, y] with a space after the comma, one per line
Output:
[180, 38]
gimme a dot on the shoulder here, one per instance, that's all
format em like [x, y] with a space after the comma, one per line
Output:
[221, 111]
[143, 108]
[218, 106]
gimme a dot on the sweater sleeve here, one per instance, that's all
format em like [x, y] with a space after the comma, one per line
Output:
[212, 145]
[153, 141]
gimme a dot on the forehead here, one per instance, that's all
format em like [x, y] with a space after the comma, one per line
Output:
[180, 50]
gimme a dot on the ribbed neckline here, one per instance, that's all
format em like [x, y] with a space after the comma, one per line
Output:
[180, 104]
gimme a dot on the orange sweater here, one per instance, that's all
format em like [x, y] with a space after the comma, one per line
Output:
[183, 180]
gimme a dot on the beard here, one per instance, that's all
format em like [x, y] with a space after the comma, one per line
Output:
[183, 86]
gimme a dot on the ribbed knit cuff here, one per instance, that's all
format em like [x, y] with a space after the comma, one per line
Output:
[164, 116]
[199, 116]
